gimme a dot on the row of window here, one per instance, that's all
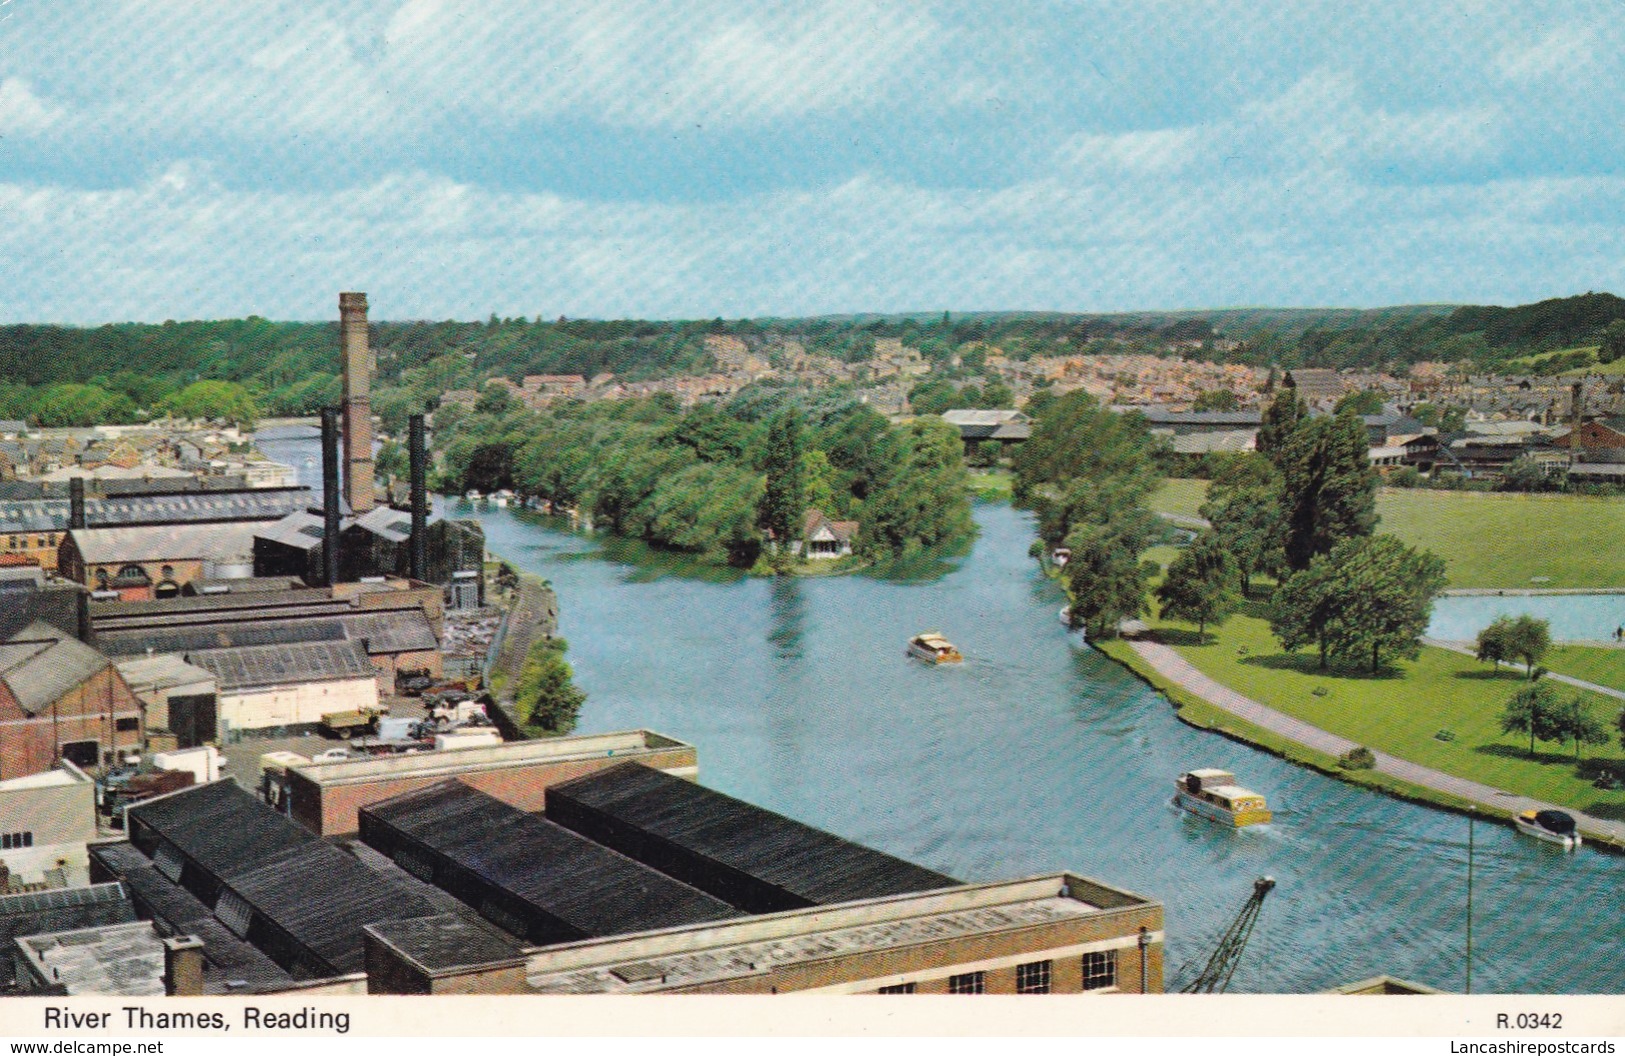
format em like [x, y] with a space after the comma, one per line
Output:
[20, 542]
[13, 841]
[1099, 973]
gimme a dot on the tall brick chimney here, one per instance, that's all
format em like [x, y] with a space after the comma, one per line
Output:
[357, 402]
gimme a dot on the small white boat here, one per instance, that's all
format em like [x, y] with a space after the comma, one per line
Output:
[1553, 826]
[1214, 794]
[1066, 620]
[934, 648]
[473, 496]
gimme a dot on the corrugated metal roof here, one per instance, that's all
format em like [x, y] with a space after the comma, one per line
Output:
[137, 641]
[256, 666]
[387, 522]
[149, 674]
[574, 888]
[301, 530]
[206, 603]
[701, 836]
[41, 664]
[119, 621]
[392, 631]
[223, 829]
[230, 541]
[322, 898]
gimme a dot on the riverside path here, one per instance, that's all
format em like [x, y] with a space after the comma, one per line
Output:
[1169, 664]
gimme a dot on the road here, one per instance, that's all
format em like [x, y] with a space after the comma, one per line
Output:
[1168, 663]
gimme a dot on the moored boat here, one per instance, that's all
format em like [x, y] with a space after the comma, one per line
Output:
[1553, 826]
[934, 648]
[1214, 794]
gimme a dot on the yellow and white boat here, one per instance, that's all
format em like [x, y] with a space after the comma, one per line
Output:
[933, 648]
[1214, 795]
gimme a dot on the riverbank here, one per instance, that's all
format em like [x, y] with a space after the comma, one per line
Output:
[1207, 704]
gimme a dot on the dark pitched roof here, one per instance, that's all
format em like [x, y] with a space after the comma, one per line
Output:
[304, 887]
[223, 829]
[570, 886]
[323, 897]
[752, 857]
[284, 664]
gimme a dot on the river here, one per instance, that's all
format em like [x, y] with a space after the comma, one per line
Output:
[1039, 754]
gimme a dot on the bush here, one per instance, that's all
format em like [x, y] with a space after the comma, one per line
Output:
[547, 696]
[1357, 759]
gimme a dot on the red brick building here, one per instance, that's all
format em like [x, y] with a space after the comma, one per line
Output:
[61, 699]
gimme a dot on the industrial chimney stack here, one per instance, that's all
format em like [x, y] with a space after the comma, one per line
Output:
[76, 503]
[357, 402]
[330, 496]
[418, 454]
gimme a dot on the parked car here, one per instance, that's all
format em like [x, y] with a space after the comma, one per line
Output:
[332, 755]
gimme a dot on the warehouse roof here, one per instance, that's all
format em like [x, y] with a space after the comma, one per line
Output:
[41, 664]
[193, 605]
[636, 805]
[307, 888]
[151, 674]
[255, 666]
[323, 897]
[387, 522]
[566, 878]
[138, 640]
[302, 529]
[222, 828]
[51, 515]
[230, 541]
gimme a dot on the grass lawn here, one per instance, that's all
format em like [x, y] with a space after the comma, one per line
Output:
[992, 485]
[1605, 667]
[1399, 713]
[1180, 496]
[1488, 540]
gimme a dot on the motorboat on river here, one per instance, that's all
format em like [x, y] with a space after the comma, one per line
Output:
[933, 648]
[1553, 826]
[1214, 794]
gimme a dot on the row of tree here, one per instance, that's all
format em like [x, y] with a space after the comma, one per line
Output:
[721, 480]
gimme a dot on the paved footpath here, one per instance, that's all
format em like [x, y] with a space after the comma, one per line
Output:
[1464, 648]
[1173, 667]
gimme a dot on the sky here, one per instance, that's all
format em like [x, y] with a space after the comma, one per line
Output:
[165, 159]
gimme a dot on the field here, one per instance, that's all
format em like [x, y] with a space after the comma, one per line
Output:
[1605, 667]
[1489, 540]
[1401, 712]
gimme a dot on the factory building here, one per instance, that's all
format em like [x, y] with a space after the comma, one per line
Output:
[327, 798]
[536, 880]
[64, 909]
[287, 686]
[61, 699]
[47, 822]
[156, 561]
[746, 855]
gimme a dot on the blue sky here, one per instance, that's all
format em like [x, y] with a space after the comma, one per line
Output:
[196, 159]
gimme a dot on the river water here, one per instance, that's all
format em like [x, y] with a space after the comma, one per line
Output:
[1038, 754]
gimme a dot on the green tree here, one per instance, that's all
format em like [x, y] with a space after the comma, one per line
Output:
[495, 399]
[1244, 507]
[1534, 710]
[1528, 639]
[1369, 599]
[1365, 401]
[1280, 421]
[784, 503]
[1216, 400]
[1107, 581]
[1613, 342]
[546, 693]
[1200, 586]
[1580, 723]
[224, 401]
[1328, 488]
[82, 405]
[1494, 644]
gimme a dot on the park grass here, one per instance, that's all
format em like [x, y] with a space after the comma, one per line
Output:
[992, 485]
[1498, 541]
[1180, 497]
[1400, 711]
[1195, 711]
[1537, 363]
[1589, 663]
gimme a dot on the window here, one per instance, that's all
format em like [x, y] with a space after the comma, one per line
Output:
[900, 988]
[969, 983]
[101, 579]
[15, 841]
[127, 725]
[1099, 970]
[1033, 978]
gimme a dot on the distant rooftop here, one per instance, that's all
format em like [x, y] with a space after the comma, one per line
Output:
[122, 960]
[475, 760]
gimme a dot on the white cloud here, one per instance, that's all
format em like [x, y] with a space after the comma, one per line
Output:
[21, 111]
[1565, 51]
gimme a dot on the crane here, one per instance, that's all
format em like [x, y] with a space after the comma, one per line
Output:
[1222, 965]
